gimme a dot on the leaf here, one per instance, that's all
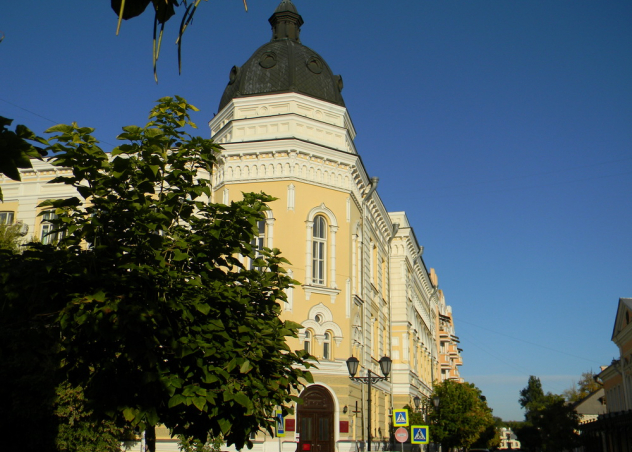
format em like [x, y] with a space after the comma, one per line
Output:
[129, 414]
[199, 402]
[243, 400]
[203, 308]
[245, 367]
[63, 128]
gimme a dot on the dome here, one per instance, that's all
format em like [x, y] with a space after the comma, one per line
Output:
[284, 65]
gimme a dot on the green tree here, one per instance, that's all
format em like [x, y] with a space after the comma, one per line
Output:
[462, 415]
[145, 300]
[532, 397]
[586, 386]
[10, 237]
[558, 423]
[529, 436]
[193, 445]
[488, 438]
[79, 430]
[550, 424]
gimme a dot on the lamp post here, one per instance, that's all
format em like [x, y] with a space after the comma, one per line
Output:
[417, 402]
[385, 367]
[435, 401]
[419, 408]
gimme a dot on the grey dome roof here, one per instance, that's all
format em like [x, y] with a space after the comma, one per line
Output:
[284, 65]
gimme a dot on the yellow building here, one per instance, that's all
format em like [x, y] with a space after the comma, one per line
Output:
[364, 292]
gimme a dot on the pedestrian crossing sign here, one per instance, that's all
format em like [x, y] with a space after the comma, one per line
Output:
[400, 418]
[280, 424]
[419, 434]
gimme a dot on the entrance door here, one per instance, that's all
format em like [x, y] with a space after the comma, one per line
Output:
[315, 418]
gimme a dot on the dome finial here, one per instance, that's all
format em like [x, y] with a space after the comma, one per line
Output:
[286, 22]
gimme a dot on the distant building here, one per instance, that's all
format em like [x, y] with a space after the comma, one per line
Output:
[590, 407]
[508, 439]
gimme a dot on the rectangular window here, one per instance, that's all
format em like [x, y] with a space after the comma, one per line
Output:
[306, 429]
[323, 429]
[258, 241]
[6, 217]
[47, 235]
[319, 262]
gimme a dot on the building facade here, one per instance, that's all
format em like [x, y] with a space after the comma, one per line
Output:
[364, 291]
[612, 431]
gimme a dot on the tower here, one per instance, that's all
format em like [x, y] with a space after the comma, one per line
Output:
[286, 131]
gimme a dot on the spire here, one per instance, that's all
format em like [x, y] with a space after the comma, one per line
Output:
[286, 22]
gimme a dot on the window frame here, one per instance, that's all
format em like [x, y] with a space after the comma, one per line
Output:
[258, 242]
[327, 348]
[8, 215]
[48, 235]
[319, 250]
[308, 342]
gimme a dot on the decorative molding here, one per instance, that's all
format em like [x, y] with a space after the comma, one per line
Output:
[309, 290]
[327, 323]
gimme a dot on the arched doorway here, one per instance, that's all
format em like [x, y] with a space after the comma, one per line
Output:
[315, 418]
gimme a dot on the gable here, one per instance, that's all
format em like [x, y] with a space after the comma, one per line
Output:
[592, 404]
[623, 321]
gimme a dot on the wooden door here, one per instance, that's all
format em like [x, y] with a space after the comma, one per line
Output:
[315, 419]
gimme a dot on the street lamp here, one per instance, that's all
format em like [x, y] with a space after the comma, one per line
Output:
[417, 402]
[435, 401]
[385, 367]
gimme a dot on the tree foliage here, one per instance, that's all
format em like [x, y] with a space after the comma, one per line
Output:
[145, 298]
[164, 10]
[532, 397]
[79, 430]
[586, 386]
[550, 423]
[17, 150]
[10, 237]
[462, 416]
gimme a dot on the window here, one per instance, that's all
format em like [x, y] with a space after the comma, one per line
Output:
[327, 346]
[372, 254]
[48, 236]
[6, 217]
[307, 342]
[319, 246]
[258, 242]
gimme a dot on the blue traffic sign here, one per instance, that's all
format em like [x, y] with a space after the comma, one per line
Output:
[419, 434]
[280, 425]
[400, 418]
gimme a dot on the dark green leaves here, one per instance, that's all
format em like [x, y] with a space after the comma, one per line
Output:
[157, 318]
[15, 149]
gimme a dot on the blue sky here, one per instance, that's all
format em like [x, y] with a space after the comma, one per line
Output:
[502, 127]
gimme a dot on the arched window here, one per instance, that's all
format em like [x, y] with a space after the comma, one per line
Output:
[307, 342]
[319, 248]
[327, 346]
